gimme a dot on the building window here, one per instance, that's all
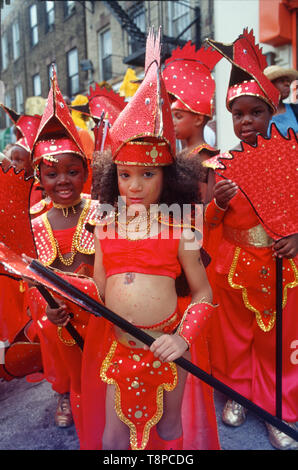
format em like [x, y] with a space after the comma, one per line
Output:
[137, 14]
[69, 8]
[105, 59]
[36, 85]
[179, 19]
[19, 99]
[33, 25]
[4, 49]
[73, 72]
[15, 40]
[50, 16]
[8, 104]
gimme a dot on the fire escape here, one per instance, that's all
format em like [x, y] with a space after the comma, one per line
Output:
[138, 37]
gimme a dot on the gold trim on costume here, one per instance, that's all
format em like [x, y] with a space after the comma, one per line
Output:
[159, 400]
[246, 301]
[76, 238]
[67, 342]
[255, 236]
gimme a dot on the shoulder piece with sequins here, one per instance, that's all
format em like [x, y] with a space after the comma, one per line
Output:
[45, 241]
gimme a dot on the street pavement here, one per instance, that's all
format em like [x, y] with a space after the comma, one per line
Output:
[27, 421]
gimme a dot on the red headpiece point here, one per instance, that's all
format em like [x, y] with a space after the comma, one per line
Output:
[57, 132]
[26, 127]
[248, 63]
[102, 100]
[147, 117]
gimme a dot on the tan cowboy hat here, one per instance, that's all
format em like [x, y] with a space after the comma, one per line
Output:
[275, 71]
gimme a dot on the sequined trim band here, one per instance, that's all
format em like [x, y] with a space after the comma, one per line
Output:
[245, 297]
[138, 400]
[255, 236]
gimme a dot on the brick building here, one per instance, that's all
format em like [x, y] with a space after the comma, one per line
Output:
[89, 41]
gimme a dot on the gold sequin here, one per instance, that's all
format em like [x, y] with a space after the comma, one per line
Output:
[156, 364]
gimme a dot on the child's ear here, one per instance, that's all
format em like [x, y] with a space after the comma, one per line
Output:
[199, 120]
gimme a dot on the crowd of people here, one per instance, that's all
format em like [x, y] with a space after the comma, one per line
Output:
[201, 285]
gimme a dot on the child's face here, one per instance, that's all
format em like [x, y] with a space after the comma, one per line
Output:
[21, 159]
[63, 181]
[283, 84]
[185, 124]
[140, 185]
[251, 116]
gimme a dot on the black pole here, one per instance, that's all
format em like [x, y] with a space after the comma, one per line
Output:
[278, 326]
[98, 310]
[53, 304]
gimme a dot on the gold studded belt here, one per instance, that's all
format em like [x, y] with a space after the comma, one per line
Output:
[255, 236]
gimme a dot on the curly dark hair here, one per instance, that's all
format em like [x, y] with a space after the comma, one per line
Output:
[180, 182]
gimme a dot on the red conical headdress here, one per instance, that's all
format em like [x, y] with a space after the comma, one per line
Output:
[144, 133]
[102, 100]
[57, 132]
[104, 106]
[248, 63]
[188, 78]
[26, 127]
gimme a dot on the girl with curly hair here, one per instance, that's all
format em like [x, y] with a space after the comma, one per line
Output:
[141, 247]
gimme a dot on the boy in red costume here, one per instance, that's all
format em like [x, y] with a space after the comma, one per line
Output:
[243, 333]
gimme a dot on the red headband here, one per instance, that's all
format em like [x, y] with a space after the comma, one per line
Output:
[144, 153]
[246, 88]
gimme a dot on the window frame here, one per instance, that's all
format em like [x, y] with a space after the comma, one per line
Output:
[34, 36]
[16, 40]
[174, 19]
[39, 84]
[50, 24]
[71, 91]
[19, 103]
[4, 51]
[105, 58]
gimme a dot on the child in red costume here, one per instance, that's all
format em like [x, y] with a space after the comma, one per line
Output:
[62, 243]
[243, 333]
[191, 89]
[130, 391]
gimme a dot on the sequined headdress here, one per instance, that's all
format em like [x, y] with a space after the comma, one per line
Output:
[57, 132]
[103, 106]
[143, 133]
[26, 127]
[188, 78]
[248, 63]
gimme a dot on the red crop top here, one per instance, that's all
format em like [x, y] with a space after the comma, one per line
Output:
[64, 239]
[148, 256]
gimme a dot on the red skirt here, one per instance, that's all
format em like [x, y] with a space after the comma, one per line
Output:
[198, 413]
